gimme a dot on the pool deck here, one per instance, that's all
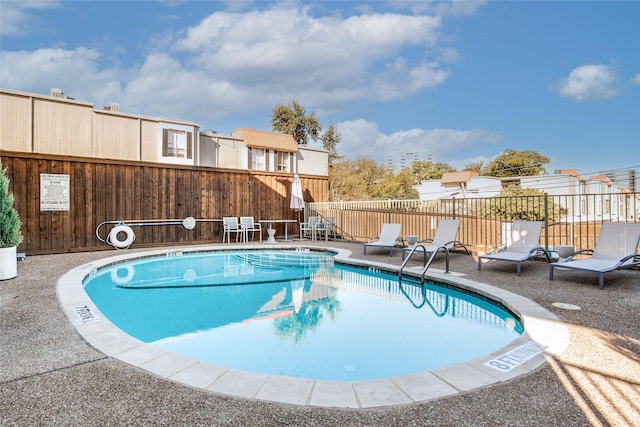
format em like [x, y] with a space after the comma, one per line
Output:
[55, 370]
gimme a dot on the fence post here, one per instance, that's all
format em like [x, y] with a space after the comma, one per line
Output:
[546, 221]
[454, 208]
[388, 210]
[342, 218]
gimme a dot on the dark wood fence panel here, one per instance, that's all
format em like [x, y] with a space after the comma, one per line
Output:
[103, 190]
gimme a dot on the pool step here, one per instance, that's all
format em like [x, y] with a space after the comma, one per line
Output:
[278, 260]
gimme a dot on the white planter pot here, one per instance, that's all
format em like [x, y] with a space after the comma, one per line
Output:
[8, 263]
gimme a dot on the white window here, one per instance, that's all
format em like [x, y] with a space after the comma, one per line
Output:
[283, 161]
[258, 159]
[177, 144]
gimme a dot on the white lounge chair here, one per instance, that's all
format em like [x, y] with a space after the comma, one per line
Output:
[445, 236]
[251, 226]
[616, 247]
[524, 245]
[389, 238]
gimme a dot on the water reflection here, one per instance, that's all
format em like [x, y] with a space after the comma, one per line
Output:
[309, 309]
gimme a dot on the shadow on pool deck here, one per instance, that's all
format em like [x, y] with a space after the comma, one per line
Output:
[50, 376]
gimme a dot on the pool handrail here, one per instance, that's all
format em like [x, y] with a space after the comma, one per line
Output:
[425, 262]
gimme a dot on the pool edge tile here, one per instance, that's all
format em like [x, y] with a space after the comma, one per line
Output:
[238, 383]
[334, 394]
[424, 386]
[377, 393]
[292, 390]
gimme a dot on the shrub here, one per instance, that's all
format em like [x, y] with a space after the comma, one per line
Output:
[10, 234]
[520, 204]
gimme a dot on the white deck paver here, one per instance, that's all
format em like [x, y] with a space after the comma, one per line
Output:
[424, 386]
[336, 394]
[199, 375]
[239, 383]
[286, 389]
[376, 393]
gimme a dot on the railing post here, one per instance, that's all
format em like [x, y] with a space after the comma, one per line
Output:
[546, 221]
[454, 209]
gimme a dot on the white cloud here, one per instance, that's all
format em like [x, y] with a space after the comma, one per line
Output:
[241, 63]
[362, 138]
[287, 51]
[636, 79]
[16, 16]
[589, 82]
[76, 72]
[458, 7]
[234, 63]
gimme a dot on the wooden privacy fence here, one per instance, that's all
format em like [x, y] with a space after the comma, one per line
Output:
[568, 220]
[101, 190]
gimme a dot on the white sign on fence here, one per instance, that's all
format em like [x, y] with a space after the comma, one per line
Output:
[54, 192]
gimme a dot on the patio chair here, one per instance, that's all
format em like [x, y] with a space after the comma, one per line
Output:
[523, 245]
[251, 226]
[389, 238]
[445, 236]
[616, 248]
[327, 227]
[230, 225]
[310, 227]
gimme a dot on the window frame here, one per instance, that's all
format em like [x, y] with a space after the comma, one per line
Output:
[178, 155]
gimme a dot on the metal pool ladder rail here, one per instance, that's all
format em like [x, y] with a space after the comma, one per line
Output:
[424, 260]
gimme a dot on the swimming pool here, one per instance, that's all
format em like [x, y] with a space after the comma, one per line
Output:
[297, 314]
[542, 331]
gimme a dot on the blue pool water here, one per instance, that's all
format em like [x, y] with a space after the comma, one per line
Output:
[296, 314]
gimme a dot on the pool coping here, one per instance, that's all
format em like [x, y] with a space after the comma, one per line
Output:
[541, 327]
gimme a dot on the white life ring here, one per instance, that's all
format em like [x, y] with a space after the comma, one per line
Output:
[122, 280]
[189, 223]
[121, 244]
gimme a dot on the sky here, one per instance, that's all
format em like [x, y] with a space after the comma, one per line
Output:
[454, 82]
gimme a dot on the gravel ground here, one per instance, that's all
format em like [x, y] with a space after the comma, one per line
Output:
[50, 376]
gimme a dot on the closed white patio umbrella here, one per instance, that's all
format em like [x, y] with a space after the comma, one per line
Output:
[297, 199]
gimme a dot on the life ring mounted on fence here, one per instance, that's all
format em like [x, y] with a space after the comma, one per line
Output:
[115, 241]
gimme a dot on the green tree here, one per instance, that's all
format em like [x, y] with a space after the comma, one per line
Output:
[425, 171]
[355, 179]
[519, 204]
[330, 138]
[516, 163]
[10, 234]
[474, 166]
[367, 180]
[398, 186]
[293, 120]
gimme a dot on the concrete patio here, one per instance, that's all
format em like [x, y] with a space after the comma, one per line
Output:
[49, 375]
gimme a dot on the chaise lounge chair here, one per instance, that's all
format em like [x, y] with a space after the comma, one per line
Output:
[524, 245]
[389, 238]
[616, 247]
[445, 236]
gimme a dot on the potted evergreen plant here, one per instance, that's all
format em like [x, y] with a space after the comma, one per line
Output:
[10, 234]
